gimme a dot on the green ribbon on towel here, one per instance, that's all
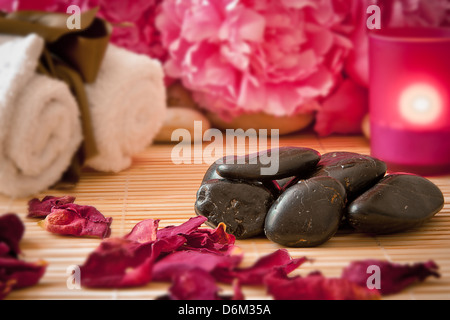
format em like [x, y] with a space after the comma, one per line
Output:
[71, 55]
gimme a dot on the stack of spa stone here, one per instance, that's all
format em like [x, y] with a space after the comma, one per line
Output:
[311, 196]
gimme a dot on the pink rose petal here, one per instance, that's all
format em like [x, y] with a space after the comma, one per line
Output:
[177, 262]
[144, 231]
[21, 273]
[185, 228]
[254, 275]
[11, 233]
[343, 111]
[394, 277]
[315, 287]
[77, 220]
[41, 208]
[194, 284]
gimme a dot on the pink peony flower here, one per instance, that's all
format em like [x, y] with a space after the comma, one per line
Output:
[254, 56]
[394, 13]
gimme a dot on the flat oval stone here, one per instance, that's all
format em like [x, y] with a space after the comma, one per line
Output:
[397, 203]
[307, 214]
[356, 172]
[241, 206]
[211, 174]
[272, 164]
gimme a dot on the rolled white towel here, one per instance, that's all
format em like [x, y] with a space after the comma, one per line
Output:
[40, 126]
[128, 105]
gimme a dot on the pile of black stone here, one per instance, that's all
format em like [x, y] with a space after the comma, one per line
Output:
[311, 196]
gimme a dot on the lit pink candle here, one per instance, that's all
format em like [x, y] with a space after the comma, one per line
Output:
[410, 99]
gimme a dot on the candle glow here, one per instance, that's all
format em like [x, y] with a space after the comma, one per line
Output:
[421, 105]
[410, 99]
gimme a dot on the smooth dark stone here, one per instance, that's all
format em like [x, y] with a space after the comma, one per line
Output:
[211, 174]
[397, 203]
[291, 161]
[356, 172]
[307, 214]
[241, 206]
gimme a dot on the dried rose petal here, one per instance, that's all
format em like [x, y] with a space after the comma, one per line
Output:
[194, 284]
[315, 287]
[184, 229]
[20, 273]
[4, 249]
[15, 273]
[255, 274]
[214, 240]
[6, 288]
[11, 232]
[118, 263]
[144, 231]
[121, 263]
[393, 277]
[77, 220]
[128, 261]
[178, 262]
[40, 209]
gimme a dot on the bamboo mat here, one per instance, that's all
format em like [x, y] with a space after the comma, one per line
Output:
[154, 187]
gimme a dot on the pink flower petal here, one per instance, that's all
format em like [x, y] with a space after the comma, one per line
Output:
[394, 277]
[77, 220]
[266, 56]
[11, 233]
[21, 274]
[194, 284]
[315, 287]
[210, 240]
[343, 111]
[183, 229]
[41, 208]
[144, 231]
[254, 275]
[177, 262]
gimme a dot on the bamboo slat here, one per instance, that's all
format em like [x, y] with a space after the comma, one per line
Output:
[154, 187]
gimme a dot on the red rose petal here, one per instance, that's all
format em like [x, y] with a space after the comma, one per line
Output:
[184, 229]
[315, 287]
[393, 277]
[77, 220]
[40, 209]
[178, 262]
[4, 249]
[23, 273]
[5, 288]
[15, 273]
[118, 263]
[255, 274]
[343, 111]
[11, 232]
[213, 240]
[194, 284]
[144, 231]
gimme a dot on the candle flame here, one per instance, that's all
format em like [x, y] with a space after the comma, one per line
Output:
[420, 104]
